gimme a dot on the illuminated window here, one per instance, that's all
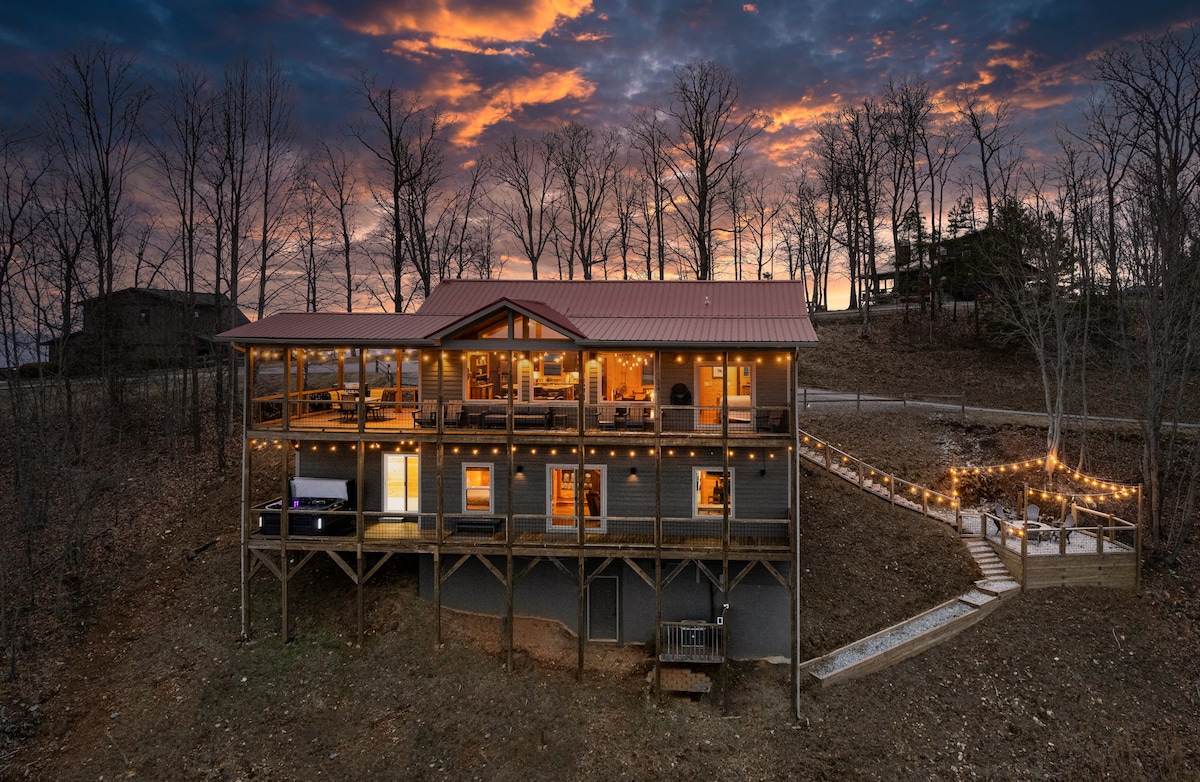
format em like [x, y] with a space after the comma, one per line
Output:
[477, 488]
[713, 493]
[402, 482]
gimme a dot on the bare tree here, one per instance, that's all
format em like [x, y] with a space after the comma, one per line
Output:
[310, 237]
[179, 147]
[710, 134]
[586, 164]
[990, 128]
[277, 172]
[649, 133]
[733, 196]
[93, 123]
[338, 185]
[812, 220]
[1035, 295]
[764, 205]
[853, 143]
[1107, 134]
[1154, 90]
[405, 137]
[526, 207]
[626, 190]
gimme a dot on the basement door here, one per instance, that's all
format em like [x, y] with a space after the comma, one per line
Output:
[603, 609]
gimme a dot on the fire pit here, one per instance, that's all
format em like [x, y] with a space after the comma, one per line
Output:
[312, 505]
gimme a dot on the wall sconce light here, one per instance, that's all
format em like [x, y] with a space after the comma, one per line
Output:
[520, 469]
[633, 471]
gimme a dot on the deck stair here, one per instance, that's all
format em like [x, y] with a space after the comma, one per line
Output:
[911, 636]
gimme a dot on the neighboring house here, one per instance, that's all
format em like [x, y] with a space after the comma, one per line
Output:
[957, 266]
[146, 327]
[618, 456]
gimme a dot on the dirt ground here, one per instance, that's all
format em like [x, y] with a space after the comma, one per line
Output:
[149, 678]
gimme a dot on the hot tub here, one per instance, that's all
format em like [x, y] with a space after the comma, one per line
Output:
[312, 508]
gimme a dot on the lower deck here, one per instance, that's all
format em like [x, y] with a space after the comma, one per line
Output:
[747, 539]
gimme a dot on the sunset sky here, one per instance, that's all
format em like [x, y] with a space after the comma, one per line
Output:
[534, 62]
[496, 65]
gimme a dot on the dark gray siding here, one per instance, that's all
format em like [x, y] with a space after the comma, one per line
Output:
[758, 608]
[756, 496]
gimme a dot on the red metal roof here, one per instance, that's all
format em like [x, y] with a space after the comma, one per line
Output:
[767, 313]
[360, 328]
[652, 312]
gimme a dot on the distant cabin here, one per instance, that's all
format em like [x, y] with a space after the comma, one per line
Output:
[146, 327]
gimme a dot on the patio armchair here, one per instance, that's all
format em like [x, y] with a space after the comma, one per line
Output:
[426, 415]
[606, 416]
[454, 414]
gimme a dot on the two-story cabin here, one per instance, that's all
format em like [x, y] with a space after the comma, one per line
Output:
[619, 456]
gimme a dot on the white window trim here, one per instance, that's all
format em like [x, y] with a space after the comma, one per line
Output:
[696, 470]
[603, 470]
[384, 481]
[491, 487]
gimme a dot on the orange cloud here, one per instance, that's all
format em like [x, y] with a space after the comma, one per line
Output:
[477, 110]
[465, 26]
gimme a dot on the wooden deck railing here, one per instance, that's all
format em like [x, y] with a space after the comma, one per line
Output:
[1101, 549]
[692, 642]
[321, 410]
[881, 483]
[545, 531]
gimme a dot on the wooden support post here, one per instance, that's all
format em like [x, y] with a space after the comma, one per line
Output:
[247, 456]
[658, 522]
[1137, 540]
[359, 583]
[581, 623]
[1024, 553]
[360, 525]
[794, 535]
[437, 595]
[508, 526]
[284, 529]
[439, 535]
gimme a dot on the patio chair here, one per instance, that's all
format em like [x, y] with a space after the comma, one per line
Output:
[1068, 525]
[999, 513]
[1032, 512]
[454, 414]
[606, 416]
[345, 405]
[385, 406]
[426, 415]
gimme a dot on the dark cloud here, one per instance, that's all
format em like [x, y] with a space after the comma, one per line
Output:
[500, 63]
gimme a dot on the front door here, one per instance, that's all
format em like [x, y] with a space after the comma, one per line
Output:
[602, 609]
